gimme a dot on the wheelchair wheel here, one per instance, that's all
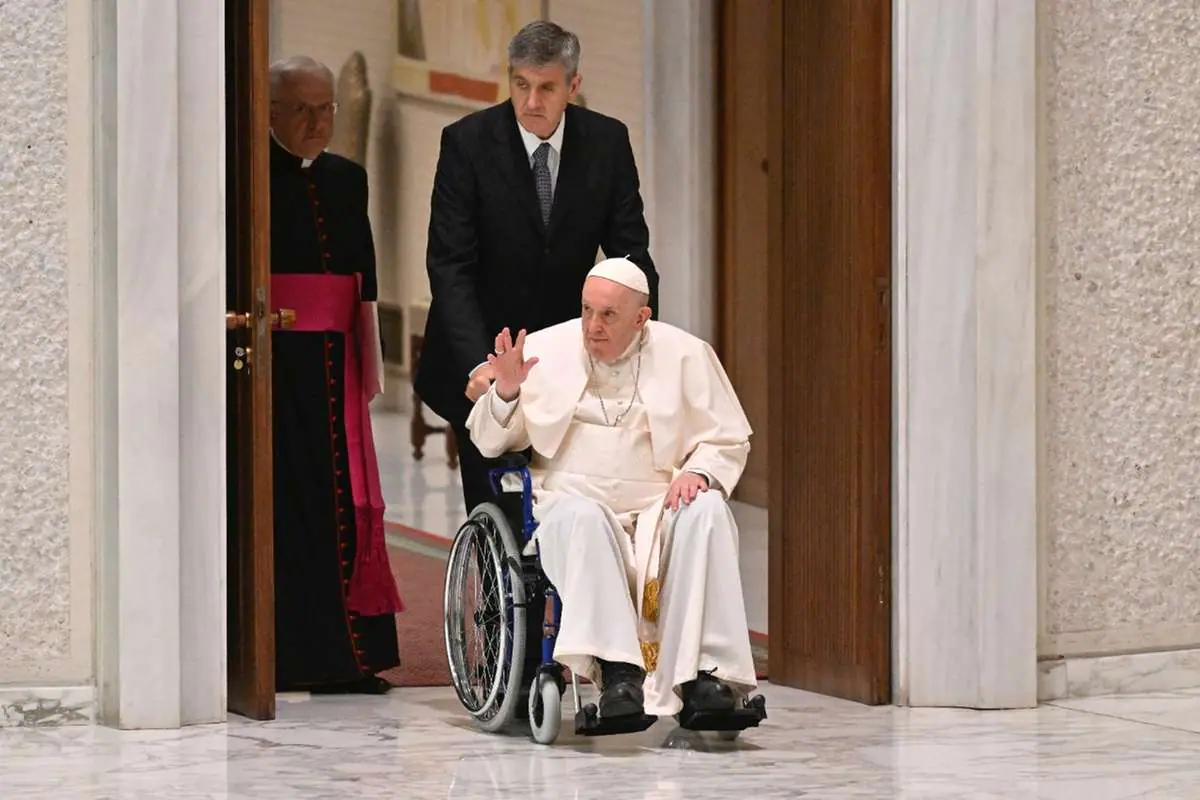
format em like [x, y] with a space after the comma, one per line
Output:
[484, 618]
[545, 710]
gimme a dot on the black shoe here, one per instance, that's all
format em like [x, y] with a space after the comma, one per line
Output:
[372, 684]
[708, 693]
[622, 695]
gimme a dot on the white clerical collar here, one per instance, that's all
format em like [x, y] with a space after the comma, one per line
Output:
[532, 142]
[305, 163]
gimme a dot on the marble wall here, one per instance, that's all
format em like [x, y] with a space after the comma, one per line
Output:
[965, 349]
[1121, 301]
[44, 622]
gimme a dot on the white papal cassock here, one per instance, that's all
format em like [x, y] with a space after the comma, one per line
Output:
[639, 584]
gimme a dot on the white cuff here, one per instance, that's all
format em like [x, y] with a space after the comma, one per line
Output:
[502, 410]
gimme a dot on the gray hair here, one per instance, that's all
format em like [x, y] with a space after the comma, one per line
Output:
[298, 65]
[541, 43]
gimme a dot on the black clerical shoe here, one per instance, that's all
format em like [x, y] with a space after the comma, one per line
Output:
[622, 695]
[707, 693]
[372, 684]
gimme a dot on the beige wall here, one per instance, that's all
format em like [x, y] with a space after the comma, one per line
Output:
[1121, 317]
[331, 32]
[403, 147]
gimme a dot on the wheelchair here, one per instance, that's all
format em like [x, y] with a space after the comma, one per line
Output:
[501, 651]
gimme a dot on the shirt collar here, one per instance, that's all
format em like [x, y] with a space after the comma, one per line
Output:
[305, 163]
[532, 142]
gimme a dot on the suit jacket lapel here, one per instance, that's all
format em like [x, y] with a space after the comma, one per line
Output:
[514, 163]
[572, 169]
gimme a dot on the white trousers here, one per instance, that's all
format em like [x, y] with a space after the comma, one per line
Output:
[702, 615]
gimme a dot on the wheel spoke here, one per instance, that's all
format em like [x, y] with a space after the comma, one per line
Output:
[484, 619]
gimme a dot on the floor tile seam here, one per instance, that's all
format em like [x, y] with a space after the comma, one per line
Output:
[1107, 715]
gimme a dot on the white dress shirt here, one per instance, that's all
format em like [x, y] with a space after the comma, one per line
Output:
[532, 142]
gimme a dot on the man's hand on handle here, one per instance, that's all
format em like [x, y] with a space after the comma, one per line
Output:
[509, 365]
[479, 382]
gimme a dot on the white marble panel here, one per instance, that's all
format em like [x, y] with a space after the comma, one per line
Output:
[160, 362]
[966, 360]
[47, 706]
[203, 358]
[147, 385]
[1134, 673]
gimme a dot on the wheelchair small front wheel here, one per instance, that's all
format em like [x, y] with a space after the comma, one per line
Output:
[545, 710]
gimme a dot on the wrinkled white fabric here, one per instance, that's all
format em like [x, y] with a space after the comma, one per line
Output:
[598, 498]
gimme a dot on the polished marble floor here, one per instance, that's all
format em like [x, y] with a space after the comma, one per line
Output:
[416, 744]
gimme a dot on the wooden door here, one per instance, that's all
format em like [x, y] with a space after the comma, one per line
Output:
[251, 575]
[830, 351]
[748, 60]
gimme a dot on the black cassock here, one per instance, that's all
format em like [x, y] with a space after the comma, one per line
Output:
[335, 597]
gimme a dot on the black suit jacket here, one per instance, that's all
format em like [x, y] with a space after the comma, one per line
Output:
[493, 264]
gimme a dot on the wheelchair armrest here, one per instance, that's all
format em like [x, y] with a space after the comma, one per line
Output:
[511, 463]
[518, 464]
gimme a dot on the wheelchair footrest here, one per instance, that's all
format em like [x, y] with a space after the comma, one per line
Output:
[588, 722]
[748, 715]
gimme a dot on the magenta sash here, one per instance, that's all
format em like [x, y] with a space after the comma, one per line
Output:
[331, 303]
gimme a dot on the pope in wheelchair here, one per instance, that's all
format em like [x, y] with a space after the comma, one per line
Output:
[623, 566]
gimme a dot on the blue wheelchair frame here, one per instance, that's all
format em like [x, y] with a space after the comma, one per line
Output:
[587, 719]
[528, 528]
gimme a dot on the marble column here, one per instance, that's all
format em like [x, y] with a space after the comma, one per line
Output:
[966, 360]
[160, 275]
[679, 164]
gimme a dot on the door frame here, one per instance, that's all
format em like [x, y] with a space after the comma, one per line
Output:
[965, 457]
[865, 628]
[159, 541]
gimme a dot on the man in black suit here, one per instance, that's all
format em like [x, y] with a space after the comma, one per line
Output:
[526, 192]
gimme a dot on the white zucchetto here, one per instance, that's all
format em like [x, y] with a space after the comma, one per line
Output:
[622, 271]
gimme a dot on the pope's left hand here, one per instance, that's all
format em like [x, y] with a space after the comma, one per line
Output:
[684, 489]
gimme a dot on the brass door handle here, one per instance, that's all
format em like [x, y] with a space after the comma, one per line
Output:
[283, 318]
[233, 320]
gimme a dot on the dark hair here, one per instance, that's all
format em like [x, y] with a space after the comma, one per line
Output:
[541, 43]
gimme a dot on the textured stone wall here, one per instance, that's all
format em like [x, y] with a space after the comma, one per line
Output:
[1122, 324]
[34, 546]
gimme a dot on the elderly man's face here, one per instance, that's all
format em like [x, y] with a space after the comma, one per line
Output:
[612, 316]
[540, 95]
[302, 114]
